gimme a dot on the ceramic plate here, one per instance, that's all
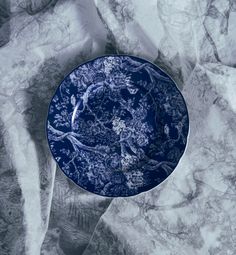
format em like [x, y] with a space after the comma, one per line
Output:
[117, 125]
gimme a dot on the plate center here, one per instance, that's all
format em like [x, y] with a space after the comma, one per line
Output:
[115, 123]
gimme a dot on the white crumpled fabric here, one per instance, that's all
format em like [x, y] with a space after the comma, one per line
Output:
[43, 212]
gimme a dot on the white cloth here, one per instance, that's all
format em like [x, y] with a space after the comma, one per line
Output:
[193, 211]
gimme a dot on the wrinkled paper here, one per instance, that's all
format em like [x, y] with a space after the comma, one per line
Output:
[193, 211]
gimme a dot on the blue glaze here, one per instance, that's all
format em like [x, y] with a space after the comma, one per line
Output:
[117, 126]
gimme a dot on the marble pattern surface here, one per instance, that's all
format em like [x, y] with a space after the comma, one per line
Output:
[193, 212]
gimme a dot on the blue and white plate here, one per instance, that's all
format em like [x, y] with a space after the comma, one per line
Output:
[117, 125]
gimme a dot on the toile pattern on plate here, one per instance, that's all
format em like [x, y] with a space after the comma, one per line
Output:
[117, 125]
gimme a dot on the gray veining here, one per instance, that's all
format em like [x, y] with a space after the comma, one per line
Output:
[193, 212]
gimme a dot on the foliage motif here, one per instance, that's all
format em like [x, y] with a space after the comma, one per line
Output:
[117, 126]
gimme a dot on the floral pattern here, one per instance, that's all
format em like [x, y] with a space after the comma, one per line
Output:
[117, 126]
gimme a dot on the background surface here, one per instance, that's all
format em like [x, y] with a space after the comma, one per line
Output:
[193, 212]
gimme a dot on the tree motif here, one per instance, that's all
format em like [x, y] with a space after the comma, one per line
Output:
[112, 123]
